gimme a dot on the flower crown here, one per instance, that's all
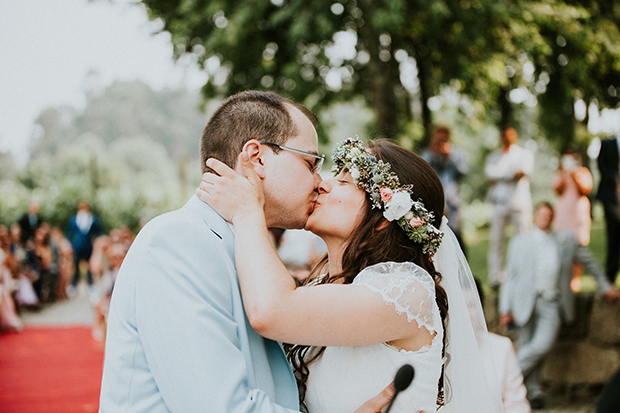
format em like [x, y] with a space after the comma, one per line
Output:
[374, 176]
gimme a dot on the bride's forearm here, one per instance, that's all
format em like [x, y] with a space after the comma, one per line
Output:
[266, 284]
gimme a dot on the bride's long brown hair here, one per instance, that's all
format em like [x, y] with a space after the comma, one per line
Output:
[369, 245]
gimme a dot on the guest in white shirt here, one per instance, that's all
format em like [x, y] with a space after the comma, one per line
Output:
[507, 171]
[536, 295]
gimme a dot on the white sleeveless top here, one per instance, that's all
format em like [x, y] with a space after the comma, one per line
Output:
[344, 378]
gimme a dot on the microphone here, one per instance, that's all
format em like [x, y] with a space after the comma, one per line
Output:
[404, 377]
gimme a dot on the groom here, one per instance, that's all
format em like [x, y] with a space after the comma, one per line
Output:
[178, 339]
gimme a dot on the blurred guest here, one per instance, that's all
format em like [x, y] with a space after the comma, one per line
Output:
[300, 250]
[507, 171]
[9, 320]
[607, 161]
[43, 264]
[29, 222]
[25, 296]
[451, 166]
[507, 370]
[82, 229]
[115, 250]
[536, 295]
[64, 265]
[573, 184]
[98, 262]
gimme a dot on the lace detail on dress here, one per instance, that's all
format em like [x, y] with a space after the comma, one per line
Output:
[406, 286]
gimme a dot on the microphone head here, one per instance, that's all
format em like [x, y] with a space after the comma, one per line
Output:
[404, 377]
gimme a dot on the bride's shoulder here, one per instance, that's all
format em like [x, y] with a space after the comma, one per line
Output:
[402, 273]
[406, 286]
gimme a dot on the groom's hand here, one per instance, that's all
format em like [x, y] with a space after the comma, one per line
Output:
[378, 402]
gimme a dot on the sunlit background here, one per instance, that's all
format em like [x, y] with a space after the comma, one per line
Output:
[93, 105]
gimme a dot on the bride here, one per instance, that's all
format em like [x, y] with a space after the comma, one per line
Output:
[393, 289]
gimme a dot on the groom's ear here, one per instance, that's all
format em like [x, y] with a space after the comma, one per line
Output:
[255, 152]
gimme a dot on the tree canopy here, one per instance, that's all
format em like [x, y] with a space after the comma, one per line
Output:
[398, 54]
[132, 152]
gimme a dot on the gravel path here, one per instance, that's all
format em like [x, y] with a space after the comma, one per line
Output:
[74, 311]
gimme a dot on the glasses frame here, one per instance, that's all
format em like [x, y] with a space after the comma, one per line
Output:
[317, 166]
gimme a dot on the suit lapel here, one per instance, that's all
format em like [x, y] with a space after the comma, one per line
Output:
[265, 359]
[216, 224]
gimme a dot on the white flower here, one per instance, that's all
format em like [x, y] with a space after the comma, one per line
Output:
[398, 206]
[355, 173]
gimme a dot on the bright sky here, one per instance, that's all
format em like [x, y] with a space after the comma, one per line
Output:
[47, 49]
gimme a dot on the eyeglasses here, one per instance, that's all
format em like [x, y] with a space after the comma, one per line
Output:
[315, 167]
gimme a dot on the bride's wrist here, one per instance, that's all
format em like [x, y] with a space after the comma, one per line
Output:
[248, 217]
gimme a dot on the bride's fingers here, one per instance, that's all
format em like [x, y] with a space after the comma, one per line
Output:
[220, 167]
[210, 178]
[205, 186]
[202, 194]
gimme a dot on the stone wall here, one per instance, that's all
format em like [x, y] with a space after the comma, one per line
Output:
[587, 352]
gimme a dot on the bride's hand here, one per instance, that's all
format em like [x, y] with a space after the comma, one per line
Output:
[233, 196]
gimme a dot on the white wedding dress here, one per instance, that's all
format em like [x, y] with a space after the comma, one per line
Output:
[344, 378]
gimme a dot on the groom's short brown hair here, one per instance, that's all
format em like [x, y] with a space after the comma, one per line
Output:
[248, 115]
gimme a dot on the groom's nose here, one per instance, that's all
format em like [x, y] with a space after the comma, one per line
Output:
[317, 180]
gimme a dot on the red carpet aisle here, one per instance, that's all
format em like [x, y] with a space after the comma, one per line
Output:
[50, 370]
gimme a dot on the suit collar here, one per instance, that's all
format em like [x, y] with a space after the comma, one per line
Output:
[216, 223]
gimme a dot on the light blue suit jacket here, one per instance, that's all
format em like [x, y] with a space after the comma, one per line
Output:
[178, 339]
[518, 293]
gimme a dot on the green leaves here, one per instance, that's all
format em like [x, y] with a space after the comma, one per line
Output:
[484, 44]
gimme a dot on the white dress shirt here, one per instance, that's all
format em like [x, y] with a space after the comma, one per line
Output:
[547, 264]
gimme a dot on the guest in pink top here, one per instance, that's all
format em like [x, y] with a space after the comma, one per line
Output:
[573, 184]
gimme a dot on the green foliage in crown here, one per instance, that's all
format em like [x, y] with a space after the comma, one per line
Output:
[386, 193]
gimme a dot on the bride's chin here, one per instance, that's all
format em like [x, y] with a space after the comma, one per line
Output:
[311, 224]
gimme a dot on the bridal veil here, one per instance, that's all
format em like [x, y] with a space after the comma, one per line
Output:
[470, 385]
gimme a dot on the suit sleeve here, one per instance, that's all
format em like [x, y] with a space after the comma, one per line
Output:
[603, 161]
[584, 256]
[190, 337]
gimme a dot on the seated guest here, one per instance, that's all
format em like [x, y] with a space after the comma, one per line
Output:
[537, 295]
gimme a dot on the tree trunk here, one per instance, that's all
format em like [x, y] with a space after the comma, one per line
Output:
[505, 108]
[382, 82]
[424, 76]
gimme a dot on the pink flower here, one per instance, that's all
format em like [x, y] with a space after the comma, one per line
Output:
[416, 221]
[386, 194]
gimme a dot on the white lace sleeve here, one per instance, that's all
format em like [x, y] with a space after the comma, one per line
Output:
[407, 287]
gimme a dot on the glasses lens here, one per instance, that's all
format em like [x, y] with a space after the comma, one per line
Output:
[318, 165]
